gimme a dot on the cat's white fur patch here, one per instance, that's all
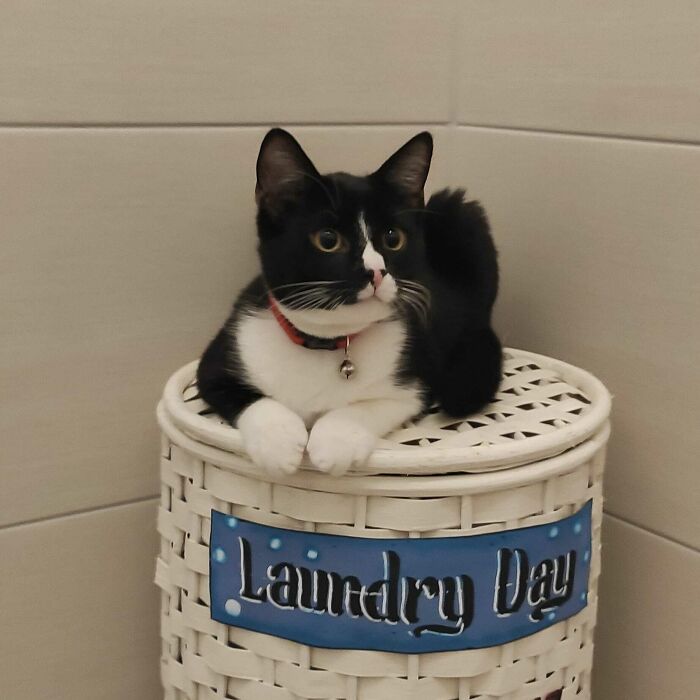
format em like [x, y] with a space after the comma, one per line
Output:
[364, 229]
[336, 444]
[309, 381]
[366, 292]
[387, 290]
[347, 415]
[372, 259]
[265, 418]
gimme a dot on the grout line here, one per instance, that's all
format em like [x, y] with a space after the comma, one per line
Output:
[655, 533]
[450, 123]
[153, 497]
[582, 134]
[80, 511]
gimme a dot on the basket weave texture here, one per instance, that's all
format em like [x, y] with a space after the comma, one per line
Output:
[549, 418]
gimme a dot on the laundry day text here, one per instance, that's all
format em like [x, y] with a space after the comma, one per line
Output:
[396, 598]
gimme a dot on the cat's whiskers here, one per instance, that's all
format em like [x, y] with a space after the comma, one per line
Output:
[414, 296]
[311, 284]
[322, 304]
[338, 299]
[303, 300]
[305, 292]
[329, 295]
[300, 287]
[411, 283]
[327, 298]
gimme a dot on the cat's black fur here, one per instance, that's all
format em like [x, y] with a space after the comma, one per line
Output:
[453, 353]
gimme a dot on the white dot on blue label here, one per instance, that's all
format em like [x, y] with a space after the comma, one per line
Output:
[584, 597]
[275, 543]
[552, 616]
[232, 607]
[586, 555]
[219, 555]
[312, 554]
[232, 522]
[553, 532]
[577, 528]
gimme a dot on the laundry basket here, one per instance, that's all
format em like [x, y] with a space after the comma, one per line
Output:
[461, 562]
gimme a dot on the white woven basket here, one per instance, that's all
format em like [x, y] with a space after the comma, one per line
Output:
[433, 478]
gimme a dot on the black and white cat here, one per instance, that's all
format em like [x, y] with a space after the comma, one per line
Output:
[371, 305]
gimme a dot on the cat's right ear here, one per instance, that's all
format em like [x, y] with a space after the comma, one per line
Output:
[407, 170]
[283, 169]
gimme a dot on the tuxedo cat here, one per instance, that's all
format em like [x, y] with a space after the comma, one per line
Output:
[371, 306]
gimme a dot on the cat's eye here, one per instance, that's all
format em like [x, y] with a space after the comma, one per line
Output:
[328, 241]
[394, 239]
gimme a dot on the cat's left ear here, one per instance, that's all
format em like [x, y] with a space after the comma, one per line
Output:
[407, 170]
[283, 169]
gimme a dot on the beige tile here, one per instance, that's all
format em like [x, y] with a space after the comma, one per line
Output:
[122, 251]
[647, 637]
[605, 67]
[79, 613]
[599, 247]
[217, 61]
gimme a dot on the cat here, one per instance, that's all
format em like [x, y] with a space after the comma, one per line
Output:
[371, 306]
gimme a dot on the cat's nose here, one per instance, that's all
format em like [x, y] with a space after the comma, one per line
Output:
[377, 277]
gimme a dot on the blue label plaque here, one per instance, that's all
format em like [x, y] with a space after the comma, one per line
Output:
[402, 595]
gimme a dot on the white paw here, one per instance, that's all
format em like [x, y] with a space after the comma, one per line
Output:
[336, 445]
[273, 436]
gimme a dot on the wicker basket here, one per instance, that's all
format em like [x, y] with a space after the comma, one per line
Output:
[534, 456]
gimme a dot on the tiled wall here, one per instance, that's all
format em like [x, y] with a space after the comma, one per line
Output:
[128, 133]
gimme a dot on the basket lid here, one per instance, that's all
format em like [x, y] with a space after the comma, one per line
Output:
[543, 407]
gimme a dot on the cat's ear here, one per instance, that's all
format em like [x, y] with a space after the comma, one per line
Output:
[282, 168]
[407, 170]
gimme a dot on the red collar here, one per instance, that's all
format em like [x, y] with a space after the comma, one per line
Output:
[300, 338]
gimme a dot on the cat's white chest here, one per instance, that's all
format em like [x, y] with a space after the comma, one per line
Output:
[309, 381]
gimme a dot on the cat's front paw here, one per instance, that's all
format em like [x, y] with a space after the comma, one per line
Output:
[273, 436]
[335, 445]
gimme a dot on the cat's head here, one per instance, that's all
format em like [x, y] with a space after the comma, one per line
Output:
[340, 252]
